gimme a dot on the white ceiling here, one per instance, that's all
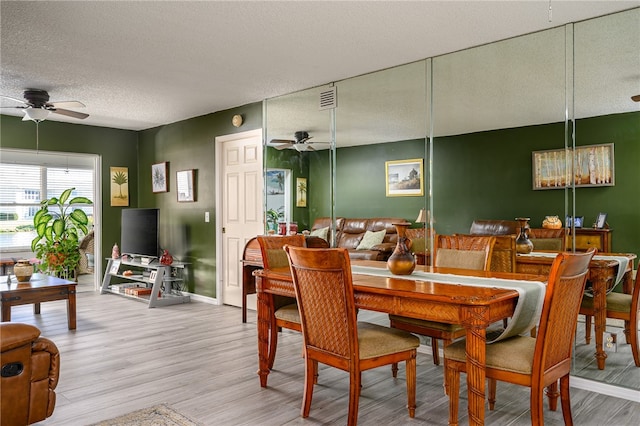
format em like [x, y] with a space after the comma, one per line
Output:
[142, 64]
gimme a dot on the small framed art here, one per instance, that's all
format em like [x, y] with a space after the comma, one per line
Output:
[185, 186]
[159, 181]
[601, 221]
[404, 178]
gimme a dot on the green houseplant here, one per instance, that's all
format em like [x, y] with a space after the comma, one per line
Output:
[59, 226]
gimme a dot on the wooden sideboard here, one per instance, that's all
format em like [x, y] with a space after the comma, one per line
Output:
[590, 237]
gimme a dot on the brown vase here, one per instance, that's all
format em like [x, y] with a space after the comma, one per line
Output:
[523, 243]
[401, 261]
[23, 270]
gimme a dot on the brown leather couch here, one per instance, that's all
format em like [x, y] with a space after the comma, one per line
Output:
[542, 239]
[30, 371]
[349, 234]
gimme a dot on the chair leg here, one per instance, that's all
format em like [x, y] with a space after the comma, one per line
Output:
[633, 340]
[536, 406]
[492, 393]
[394, 370]
[587, 329]
[411, 385]
[565, 400]
[552, 394]
[445, 384]
[354, 396]
[273, 344]
[434, 351]
[311, 366]
[453, 379]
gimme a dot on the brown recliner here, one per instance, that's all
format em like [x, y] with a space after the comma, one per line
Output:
[30, 370]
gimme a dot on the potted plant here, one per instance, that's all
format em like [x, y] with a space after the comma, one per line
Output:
[273, 216]
[59, 226]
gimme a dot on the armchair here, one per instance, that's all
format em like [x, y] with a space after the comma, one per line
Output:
[30, 371]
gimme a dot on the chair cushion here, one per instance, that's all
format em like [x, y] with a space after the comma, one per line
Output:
[554, 244]
[616, 302]
[288, 313]
[321, 233]
[514, 354]
[464, 259]
[376, 340]
[277, 258]
[371, 239]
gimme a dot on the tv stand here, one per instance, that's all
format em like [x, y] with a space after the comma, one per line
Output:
[155, 276]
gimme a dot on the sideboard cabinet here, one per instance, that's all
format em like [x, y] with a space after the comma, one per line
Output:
[590, 237]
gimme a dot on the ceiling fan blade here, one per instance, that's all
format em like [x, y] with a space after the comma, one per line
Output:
[289, 141]
[283, 146]
[68, 113]
[14, 99]
[66, 104]
[635, 98]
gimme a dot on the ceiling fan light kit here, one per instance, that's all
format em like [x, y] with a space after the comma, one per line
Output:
[35, 114]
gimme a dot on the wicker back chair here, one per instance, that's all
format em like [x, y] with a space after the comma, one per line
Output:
[548, 239]
[534, 362]
[451, 251]
[324, 291]
[623, 306]
[285, 313]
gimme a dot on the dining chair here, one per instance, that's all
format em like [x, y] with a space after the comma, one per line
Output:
[330, 330]
[285, 313]
[620, 306]
[451, 251]
[535, 362]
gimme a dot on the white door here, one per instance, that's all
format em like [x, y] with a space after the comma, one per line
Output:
[239, 206]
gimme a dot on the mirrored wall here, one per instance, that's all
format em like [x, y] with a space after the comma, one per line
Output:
[474, 118]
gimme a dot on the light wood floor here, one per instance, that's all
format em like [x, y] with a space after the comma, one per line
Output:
[200, 359]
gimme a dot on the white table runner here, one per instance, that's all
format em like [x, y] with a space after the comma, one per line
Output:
[528, 308]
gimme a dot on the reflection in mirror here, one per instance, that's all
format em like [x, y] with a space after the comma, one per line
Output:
[298, 134]
[607, 75]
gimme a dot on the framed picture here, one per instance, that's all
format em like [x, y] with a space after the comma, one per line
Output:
[404, 178]
[301, 192]
[601, 220]
[159, 181]
[577, 221]
[185, 186]
[152, 275]
[115, 266]
[119, 178]
[590, 165]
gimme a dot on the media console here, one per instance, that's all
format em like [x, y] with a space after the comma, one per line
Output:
[149, 282]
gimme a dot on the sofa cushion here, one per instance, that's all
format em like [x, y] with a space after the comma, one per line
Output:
[371, 239]
[321, 233]
[494, 227]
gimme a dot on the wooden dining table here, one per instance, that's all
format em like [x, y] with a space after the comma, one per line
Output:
[475, 307]
[601, 278]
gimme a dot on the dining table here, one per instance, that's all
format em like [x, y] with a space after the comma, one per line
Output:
[430, 293]
[606, 272]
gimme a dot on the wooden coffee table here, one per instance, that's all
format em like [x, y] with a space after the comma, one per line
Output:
[41, 288]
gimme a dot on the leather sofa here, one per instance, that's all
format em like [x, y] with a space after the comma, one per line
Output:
[30, 370]
[350, 232]
[542, 239]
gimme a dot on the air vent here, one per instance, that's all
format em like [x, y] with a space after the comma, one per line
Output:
[329, 98]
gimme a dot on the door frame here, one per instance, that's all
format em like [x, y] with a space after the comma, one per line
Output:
[219, 140]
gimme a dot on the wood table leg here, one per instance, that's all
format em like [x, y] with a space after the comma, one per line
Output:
[36, 308]
[71, 309]
[6, 312]
[263, 321]
[599, 280]
[476, 359]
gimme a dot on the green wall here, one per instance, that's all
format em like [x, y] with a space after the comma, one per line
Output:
[117, 148]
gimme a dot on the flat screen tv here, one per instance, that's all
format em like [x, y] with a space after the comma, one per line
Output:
[139, 236]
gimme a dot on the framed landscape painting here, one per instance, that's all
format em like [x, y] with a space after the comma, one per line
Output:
[404, 178]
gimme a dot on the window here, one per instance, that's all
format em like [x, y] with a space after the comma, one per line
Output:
[24, 183]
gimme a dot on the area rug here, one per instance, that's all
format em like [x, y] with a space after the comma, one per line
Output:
[158, 415]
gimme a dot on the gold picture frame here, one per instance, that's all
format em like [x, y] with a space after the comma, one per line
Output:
[301, 192]
[119, 180]
[404, 178]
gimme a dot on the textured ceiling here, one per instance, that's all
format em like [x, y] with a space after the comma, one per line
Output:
[138, 65]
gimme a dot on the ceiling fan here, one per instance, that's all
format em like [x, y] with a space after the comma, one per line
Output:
[300, 142]
[37, 107]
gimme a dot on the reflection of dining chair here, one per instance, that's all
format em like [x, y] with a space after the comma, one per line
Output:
[330, 330]
[620, 306]
[536, 362]
[451, 251]
[285, 313]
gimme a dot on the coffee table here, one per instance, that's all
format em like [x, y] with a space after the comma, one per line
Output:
[41, 288]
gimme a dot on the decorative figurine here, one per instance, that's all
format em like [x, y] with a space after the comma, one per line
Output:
[115, 251]
[166, 258]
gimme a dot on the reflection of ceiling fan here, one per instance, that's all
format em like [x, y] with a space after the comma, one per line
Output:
[300, 143]
[37, 106]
